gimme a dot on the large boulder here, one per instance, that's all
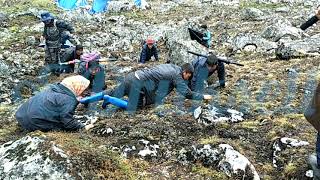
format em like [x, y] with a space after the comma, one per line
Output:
[253, 14]
[242, 40]
[222, 157]
[178, 42]
[299, 48]
[281, 28]
[210, 115]
[33, 157]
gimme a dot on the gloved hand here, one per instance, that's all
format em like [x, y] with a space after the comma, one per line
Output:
[89, 126]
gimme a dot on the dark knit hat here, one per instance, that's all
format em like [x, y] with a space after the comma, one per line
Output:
[187, 67]
[212, 60]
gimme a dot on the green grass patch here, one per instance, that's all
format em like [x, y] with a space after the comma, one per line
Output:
[208, 172]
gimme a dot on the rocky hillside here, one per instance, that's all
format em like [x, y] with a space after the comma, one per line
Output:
[253, 129]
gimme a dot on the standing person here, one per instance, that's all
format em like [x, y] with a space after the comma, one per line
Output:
[149, 49]
[203, 69]
[150, 86]
[53, 108]
[206, 36]
[71, 54]
[55, 33]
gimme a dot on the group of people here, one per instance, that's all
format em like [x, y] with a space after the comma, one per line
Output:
[53, 108]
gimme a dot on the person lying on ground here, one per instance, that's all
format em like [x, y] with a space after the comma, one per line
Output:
[150, 86]
[53, 108]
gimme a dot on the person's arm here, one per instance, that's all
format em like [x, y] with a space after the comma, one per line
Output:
[184, 90]
[309, 23]
[156, 56]
[221, 74]
[143, 55]
[66, 117]
[65, 26]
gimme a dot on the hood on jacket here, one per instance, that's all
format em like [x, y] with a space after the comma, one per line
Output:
[77, 84]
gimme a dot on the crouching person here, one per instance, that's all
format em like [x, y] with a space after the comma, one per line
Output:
[93, 71]
[53, 108]
[151, 86]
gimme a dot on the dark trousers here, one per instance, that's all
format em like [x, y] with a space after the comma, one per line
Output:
[318, 149]
[133, 88]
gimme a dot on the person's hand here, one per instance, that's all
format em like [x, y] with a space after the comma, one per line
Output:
[207, 97]
[318, 13]
[89, 126]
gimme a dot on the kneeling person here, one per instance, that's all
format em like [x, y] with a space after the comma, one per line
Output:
[95, 73]
[53, 108]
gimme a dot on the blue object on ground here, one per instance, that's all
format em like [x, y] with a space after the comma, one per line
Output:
[137, 3]
[115, 101]
[93, 98]
[83, 3]
[67, 4]
[99, 6]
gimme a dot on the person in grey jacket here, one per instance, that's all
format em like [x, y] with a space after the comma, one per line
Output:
[53, 108]
[150, 86]
[204, 68]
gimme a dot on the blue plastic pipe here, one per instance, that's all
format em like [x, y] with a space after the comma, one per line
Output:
[93, 98]
[115, 101]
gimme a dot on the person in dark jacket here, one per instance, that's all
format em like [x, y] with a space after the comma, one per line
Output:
[53, 108]
[150, 86]
[311, 21]
[149, 49]
[69, 55]
[204, 68]
[55, 34]
[312, 114]
[94, 72]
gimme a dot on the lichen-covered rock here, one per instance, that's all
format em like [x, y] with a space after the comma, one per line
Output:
[253, 14]
[210, 115]
[242, 40]
[281, 28]
[299, 48]
[118, 6]
[282, 144]
[222, 157]
[33, 158]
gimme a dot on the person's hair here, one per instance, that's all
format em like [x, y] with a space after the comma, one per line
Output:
[79, 47]
[212, 60]
[204, 26]
[188, 68]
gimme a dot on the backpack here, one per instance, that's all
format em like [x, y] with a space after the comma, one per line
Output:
[90, 57]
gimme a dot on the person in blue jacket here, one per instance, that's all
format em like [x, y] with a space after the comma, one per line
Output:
[53, 108]
[203, 69]
[94, 72]
[149, 49]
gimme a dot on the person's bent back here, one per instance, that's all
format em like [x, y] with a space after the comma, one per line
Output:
[53, 108]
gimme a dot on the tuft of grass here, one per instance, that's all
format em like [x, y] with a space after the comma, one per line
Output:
[210, 140]
[251, 4]
[91, 159]
[208, 172]
[19, 6]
